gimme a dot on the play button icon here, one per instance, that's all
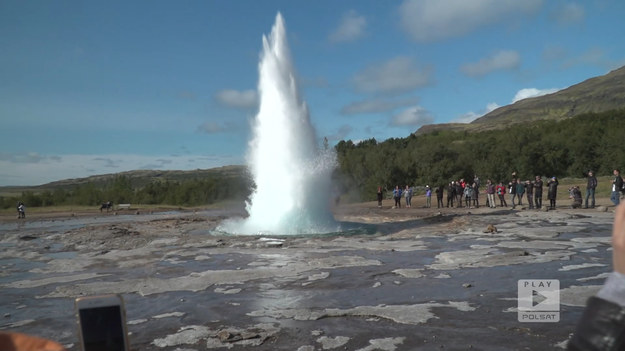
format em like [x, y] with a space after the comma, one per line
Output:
[537, 298]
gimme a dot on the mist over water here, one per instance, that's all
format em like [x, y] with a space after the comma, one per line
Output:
[292, 174]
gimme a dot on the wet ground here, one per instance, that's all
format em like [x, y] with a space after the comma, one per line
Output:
[421, 279]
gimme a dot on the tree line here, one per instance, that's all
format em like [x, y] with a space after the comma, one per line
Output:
[566, 148]
[196, 192]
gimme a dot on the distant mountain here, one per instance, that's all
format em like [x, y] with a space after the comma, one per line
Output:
[138, 178]
[598, 94]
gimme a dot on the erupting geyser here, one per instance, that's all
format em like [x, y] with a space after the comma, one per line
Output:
[291, 173]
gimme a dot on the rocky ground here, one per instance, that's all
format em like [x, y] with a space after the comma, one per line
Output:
[407, 279]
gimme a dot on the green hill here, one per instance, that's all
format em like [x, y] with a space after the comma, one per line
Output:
[138, 178]
[196, 187]
[595, 95]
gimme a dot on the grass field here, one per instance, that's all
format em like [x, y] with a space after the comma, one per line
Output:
[79, 209]
[603, 192]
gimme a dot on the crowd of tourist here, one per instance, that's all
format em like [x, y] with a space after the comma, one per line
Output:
[467, 194]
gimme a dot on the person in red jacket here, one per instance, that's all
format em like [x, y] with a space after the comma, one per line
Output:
[500, 190]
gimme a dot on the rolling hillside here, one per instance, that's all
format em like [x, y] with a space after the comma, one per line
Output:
[139, 178]
[598, 94]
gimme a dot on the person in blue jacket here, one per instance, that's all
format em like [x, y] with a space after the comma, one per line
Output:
[397, 196]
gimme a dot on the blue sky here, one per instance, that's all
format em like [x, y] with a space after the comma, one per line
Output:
[95, 87]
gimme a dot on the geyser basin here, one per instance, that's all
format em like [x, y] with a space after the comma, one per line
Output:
[291, 173]
[229, 227]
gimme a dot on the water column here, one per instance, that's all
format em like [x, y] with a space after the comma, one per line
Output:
[291, 173]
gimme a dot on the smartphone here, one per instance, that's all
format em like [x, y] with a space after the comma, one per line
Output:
[102, 323]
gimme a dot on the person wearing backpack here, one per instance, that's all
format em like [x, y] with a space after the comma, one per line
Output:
[617, 187]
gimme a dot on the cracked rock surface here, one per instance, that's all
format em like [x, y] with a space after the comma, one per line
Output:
[421, 279]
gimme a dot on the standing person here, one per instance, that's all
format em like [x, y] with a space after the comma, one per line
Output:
[512, 192]
[462, 183]
[476, 191]
[408, 195]
[439, 196]
[617, 186]
[380, 195]
[552, 192]
[501, 194]
[590, 189]
[520, 191]
[538, 192]
[530, 193]
[476, 196]
[21, 210]
[451, 194]
[468, 195]
[397, 196]
[428, 196]
[459, 192]
[490, 193]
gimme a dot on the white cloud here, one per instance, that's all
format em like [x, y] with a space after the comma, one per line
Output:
[491, 106]
[467, 117]
[501, 60]
[531, 92]
[246, 99]
[569, 14]
[413, 116]
[377, 105]
[44, 169]
[431, 20]
[471, 116]
[352, 27]
[398, 75]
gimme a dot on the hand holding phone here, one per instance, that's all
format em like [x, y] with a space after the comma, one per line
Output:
[102, 323]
